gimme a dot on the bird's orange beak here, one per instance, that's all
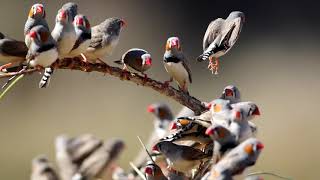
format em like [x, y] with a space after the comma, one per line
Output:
[155, 148]
[173, 126]
[79, 21]
[238, 115]
[39, 10]
[208, 106]
[148, 170]
[33, 34]
[260, 146]
[123, 23]
[62, 15]
[229, 93]
[209, 131]
[148, 61]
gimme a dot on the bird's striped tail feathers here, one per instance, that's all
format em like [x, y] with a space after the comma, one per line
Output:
[205, 56]
[45, 80]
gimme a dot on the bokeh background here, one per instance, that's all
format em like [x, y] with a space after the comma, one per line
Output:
[275, 63]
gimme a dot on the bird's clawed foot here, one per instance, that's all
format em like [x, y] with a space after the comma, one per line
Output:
[184, 88]
[125, 73]
[167, 83]
[5, 66]
[145, 79]
[213, 66]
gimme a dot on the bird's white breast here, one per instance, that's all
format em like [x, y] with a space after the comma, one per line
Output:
[178, 72]
[45, 59]
[66, 44]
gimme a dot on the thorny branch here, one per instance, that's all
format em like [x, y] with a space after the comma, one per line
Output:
[76, 64]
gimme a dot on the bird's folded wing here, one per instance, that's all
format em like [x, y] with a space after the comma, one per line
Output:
[213, 30]
[15, 48]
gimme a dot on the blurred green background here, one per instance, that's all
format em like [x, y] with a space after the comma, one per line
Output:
[275, 63]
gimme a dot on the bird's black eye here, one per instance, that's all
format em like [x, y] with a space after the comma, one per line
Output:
[250, 112]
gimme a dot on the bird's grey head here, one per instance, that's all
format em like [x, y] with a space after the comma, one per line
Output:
[163, 146]
[37, 11]
[246, 110]
[237, 14]
[114, 25]
[252, 146]
[161, 110]
[39, 34]
[82, 22]
[231, 93]
[72, 8]
[217, 131]
[173, 43]
[151, 169]
[146, 60]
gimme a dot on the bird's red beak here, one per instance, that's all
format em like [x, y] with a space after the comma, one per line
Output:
[148, 170]
[123, 23]
[238, 115]
[229, 92]
[155, 148]
[173, 126]
[33, 34]
[79, 22]
[256, 112]
[208, 106]
[174, 43]
[150, 109]
[260, 146]
[62, 15]
[39, 10]
[209, 131]
[149, 61]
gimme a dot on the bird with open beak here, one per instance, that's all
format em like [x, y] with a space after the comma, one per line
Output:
[220, 37]
[176, 64]
[231, 93]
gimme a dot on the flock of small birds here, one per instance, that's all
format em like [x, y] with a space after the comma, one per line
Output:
[72, 36]
[217, 145]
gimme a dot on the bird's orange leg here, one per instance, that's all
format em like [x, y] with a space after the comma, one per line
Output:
[5, 66]
[145, 78]
[213, 66]
[166, 83]
[125, 72]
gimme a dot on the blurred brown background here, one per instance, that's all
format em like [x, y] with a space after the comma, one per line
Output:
[275, 63]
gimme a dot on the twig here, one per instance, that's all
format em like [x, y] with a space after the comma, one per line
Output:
[137, 171]
[11, 85]
[268, 173]
[76, 64]
[145, 148]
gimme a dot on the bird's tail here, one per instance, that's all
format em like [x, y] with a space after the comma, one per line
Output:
[205, 56]
[118, 62]
[45, 80]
